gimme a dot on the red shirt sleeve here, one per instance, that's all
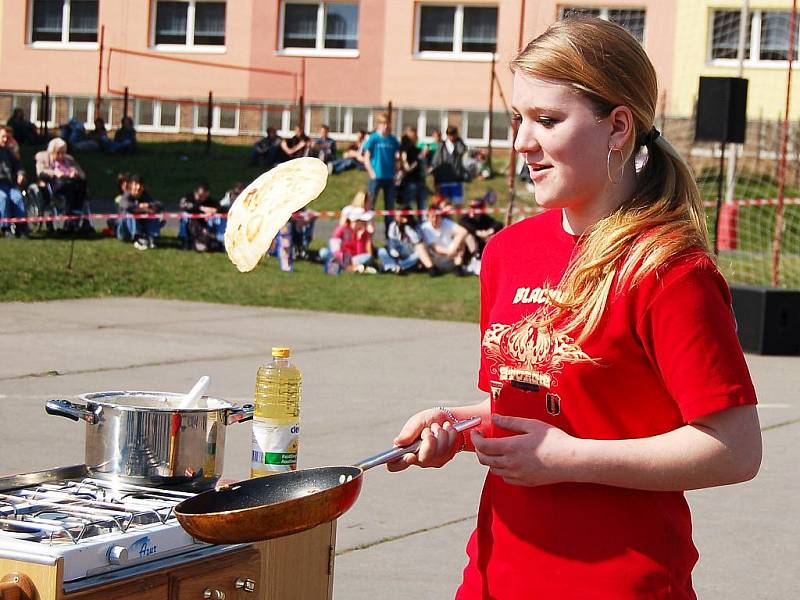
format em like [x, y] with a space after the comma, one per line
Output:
[689, 331]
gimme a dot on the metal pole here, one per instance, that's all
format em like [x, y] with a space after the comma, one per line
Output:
[301, 120]
[125, 103]
[512, 155]
[209, 120]
[98, 99]
[40, 116]
[719, 197]
[46, 110]
[491, 118]
[389, 110]
[776, 244]
[743, 20]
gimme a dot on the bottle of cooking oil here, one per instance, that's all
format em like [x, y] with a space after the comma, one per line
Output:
[276, 420]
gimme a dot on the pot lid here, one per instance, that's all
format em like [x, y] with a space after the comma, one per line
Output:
[166, 401]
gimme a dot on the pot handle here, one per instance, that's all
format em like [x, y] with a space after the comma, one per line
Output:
[239, 414]
[65, 408]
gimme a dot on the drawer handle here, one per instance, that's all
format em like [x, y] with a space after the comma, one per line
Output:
[210, 594]
[248, 585]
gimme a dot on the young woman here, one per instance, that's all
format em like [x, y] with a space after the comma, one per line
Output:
[615, 380]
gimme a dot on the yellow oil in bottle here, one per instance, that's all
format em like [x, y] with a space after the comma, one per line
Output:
[276, 418]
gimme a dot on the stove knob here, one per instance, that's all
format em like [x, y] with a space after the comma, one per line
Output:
[118, 555]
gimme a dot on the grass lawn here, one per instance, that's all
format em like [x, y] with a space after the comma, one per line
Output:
[36, 269]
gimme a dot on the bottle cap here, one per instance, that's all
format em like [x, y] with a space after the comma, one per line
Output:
[280, 352]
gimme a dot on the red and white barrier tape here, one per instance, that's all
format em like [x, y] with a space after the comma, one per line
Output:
[335, 214]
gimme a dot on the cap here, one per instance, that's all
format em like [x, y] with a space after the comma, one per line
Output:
[280, 352]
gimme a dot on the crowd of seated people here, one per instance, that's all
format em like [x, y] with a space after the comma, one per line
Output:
[98, 139]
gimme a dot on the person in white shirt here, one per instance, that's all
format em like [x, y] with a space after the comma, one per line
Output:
[444, 238]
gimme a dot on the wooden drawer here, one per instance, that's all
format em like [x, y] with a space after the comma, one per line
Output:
[217, 578]
[151, 587]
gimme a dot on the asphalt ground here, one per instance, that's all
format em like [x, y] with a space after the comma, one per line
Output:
[363, 376]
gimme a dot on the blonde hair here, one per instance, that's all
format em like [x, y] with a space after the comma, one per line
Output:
[606, 65]
[55, 145]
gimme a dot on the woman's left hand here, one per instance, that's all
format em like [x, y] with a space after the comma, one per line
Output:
[539, 455]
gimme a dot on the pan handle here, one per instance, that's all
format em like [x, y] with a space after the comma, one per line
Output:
[65, 408]
[239, 414]
[395, 453]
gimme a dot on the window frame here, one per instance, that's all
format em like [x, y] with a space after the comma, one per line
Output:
[604, 10]
[458, 33]
[189, 46]
[156, 126]
[319, 49]
[755, 61]
[216, 113]
[64, 44]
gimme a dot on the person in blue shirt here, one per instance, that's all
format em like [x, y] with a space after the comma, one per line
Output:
[380, 153]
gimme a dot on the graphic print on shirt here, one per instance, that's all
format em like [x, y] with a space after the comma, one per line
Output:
[529, 357]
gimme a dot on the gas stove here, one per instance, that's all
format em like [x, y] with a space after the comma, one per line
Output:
[96, 526]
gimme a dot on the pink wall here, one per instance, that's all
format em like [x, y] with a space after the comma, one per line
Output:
[424, 83]
[660, 23]
[384, 70]
[328, 79]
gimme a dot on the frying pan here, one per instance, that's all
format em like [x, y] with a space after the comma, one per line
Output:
[268, 507]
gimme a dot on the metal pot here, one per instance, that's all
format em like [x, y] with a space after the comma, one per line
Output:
[144, 438]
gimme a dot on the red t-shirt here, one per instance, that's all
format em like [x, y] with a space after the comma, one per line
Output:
[665, 353]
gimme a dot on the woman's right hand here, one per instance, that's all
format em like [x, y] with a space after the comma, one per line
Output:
[440, 442]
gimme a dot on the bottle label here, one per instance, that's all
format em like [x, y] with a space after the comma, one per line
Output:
[274, 446]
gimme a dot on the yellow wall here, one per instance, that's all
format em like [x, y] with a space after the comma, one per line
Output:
[767, 87]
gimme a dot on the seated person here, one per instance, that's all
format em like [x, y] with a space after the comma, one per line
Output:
[350, 246]
[324, 147]
[24, 130]
[12, 203]
[64, 176]
[230, 197]
[477, 166]
[267, 150]
[352, 157]
[74, 133]
[404, 247]
[135, 225]
[444, 238]
[480, 225]
[200, 232]
[296, 146]
[125, 136]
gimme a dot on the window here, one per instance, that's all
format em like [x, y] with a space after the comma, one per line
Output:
[475, 125]
[192, 23]
[630, 19]
[82, 109]
[157, 115]
[456, 30]
[272, 117]
[500, 126]
[63, 22]
[360, 118]
[224, 119]
[766, 39]
[319, 28]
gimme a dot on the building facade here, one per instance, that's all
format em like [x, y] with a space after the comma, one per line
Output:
[348, 59]
[706, 45]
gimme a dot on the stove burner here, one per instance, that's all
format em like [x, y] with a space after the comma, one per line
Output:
[20, 531]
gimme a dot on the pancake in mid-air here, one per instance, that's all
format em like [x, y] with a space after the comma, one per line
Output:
[264, 206]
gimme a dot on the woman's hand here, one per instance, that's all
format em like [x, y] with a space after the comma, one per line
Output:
[440, 441]
[538, 455]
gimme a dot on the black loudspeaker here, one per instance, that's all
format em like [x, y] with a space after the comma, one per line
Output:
[721, 110]
[767, 319]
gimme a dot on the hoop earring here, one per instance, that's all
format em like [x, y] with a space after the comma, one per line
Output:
[608, 165]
